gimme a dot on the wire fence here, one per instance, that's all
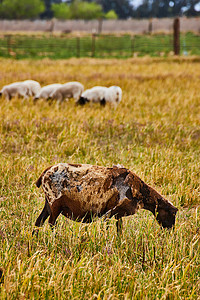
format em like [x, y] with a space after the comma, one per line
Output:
[100, 46]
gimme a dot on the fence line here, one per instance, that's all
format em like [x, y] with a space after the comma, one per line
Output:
[95, 46]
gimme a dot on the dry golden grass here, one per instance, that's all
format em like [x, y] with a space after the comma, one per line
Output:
[154, 131]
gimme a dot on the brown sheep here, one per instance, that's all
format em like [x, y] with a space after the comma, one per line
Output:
[80, 192]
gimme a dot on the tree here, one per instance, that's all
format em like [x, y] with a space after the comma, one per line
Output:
[61, 11]
[80, 10]
[111, 15]
[85, 10]
[122, 8]
[143, 10]
[23, 9]
[166, 8]
[47, 12]
[77, 10]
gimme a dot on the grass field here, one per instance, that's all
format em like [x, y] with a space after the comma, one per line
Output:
[155, 132]
[102, 46]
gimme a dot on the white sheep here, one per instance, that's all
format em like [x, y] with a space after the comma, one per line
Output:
[46, 91]
[33, 87]
[113, 95]
[68, 90]
[24, 89]
[102, 95]
[15, 89]
[95, 94]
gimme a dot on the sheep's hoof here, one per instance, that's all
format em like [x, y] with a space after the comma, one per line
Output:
[1, 276]
[35, 232]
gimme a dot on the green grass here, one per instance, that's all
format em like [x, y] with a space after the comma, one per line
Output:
[155, 132]
[58, 47]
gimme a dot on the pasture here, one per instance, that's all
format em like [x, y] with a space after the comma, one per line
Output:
[155, 132]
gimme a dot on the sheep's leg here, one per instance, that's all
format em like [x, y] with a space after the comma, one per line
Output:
[8, 96]
[59, 99]
[115, 212]
[49, 100]
[115, 104]
[24, 98]
[55, 211]
[76, 97]
[24, 95]
[103, 102]
[119, 226]
[42, 217]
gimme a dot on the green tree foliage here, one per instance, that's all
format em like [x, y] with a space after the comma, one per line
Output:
[123, 8]
[85, 10]
[81, 10]
[92, 9]
[111, 15]
[77, 10]
[48, 13]
[61, 11]
[23, 9]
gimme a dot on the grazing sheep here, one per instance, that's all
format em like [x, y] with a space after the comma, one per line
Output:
[95, 94]
[24, 89]
[33, 87]
[46, 91]
[15, 89]
[68, 90]
[80, 192]
[102, 95]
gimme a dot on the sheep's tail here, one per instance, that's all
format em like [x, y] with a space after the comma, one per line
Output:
[39, 181]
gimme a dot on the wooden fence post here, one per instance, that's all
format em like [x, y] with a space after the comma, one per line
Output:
[150, 27]
[93, 45]
[51, 27]
[176, 36]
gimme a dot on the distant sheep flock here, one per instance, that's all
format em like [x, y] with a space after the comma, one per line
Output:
[61, 92]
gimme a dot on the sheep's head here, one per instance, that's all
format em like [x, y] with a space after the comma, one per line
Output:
[82, 100]
[166, 215]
